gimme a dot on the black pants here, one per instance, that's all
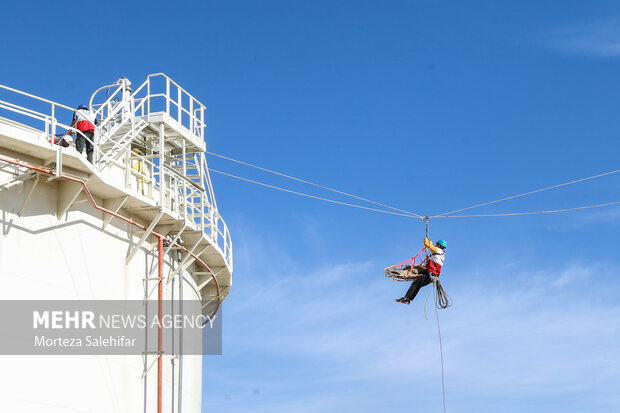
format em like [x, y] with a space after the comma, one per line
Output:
[80, 141]
[417, 284]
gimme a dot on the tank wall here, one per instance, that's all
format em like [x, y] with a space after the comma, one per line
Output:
[73, 258]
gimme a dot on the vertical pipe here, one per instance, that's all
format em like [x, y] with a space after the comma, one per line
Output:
[160, 294]
[180, 390]
[172, 341]
[184, 163]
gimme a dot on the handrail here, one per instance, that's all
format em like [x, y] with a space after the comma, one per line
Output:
[35, 97]
[187, 197]
[176, 84]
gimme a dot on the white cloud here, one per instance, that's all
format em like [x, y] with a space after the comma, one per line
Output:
[597, 39]
[331, 338]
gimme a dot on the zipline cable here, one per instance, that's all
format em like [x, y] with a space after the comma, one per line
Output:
[313, 184]
[408, 215]
[528, 193]
[513, 214]
[312, 196]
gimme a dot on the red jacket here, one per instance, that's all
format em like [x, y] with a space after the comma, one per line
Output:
[433, 267]
[84, 120]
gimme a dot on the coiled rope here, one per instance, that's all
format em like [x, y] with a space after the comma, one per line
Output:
[442, 299]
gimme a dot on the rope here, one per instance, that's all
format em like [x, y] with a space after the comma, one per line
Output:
[529, 193]
[514, 214]
[312, 196]
[313, 184]
[438, 292]
[409, 214]
[442, 300]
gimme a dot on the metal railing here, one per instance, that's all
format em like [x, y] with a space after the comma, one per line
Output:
[179, 183]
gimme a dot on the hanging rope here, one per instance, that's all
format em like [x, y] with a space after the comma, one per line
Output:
[442, 299]
[437, 290]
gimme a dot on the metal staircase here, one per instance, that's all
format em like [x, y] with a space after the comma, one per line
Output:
[151, 141]
[116, 144]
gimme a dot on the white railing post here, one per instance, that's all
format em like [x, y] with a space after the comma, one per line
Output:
[95, 146]
[179, 106]
[58, 148]
[47, 129]
[192, 116]
[167, 96]
[202, 123]
[162, 160]
[128, 168]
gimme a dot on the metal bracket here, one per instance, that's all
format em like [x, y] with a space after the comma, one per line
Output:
[158, 353]
[148, 232]
[184, 263]
[114, 205]
[68, 192]
[201, 286]
[30, 192]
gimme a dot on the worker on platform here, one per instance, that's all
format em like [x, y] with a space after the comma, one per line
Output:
[84, 121]
[422, 273]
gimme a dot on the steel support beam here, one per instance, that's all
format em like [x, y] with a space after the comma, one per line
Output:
[30, 192]
[114, 205]
[67, 194]
[146, 234]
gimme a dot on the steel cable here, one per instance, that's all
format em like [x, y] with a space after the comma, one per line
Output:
[314, 184]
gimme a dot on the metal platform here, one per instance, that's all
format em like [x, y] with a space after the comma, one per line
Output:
[149, 163]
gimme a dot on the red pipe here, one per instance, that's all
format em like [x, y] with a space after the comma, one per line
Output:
[116, 215]
[160, 297]
[160, 246]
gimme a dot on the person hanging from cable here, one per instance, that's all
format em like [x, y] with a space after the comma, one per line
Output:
[422, 273]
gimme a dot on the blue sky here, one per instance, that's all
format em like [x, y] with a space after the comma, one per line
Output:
[429, 106]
